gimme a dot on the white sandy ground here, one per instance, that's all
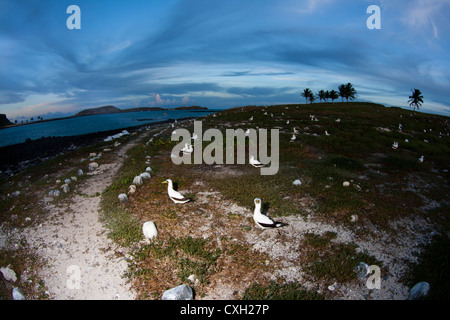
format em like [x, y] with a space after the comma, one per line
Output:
[82, 263]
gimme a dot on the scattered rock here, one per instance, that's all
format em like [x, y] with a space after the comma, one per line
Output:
[80, 172]
[149, 230]
[15, 194]
[65, 188]
[138, 181]
[346, 184]
[420, 290]
[17, 295]
[73, 178]
[93, 166]
[145, 175]
[362, 269]
[297, 183]
[54, 193]
[9, 274]
[67, 181]
[132, 189]
[123, 198]
[92, 154]
[182, 292]
[148, 169]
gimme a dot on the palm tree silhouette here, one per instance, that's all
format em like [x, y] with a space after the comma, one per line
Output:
[322, 95]
[347, 91]
[333, 95]
[416, 99]
[350, 91]
[342, 93]
[307, 93]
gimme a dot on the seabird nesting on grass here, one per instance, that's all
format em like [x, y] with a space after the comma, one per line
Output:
[187, 149]
[421, 159]
[395, 145]
[293, 138]
[262, 220]
[256, 163]
[175, 196]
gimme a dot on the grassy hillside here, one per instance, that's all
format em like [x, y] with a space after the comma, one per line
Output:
[393, 214]
[387, 187]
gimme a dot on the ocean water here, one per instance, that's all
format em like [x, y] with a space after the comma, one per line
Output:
[91, 124]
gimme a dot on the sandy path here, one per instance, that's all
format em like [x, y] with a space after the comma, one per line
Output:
[82, 263]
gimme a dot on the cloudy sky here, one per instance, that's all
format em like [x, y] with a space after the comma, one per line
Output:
[218, 54]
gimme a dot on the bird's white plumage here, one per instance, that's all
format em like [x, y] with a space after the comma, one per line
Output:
[174, 195]
[261, 219]
[187, 148]
[255, 162]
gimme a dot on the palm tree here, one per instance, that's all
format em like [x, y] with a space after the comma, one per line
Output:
[342, 93]
[327, 95]
[306, 93]
[312, 98]
[333, 95]
[347, 91]
[416, 99]
[321, 95]
[350, 91]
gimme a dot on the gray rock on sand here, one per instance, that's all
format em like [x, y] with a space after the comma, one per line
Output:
[93, 166]
[9, 274]
[65, 188]
[17, 295]
[182, 292]
[54, 193]
[420, 290]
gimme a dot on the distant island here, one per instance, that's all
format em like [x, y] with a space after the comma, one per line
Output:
[4, 121]
[112, 109]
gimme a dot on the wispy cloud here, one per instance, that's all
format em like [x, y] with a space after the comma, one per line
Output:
[425, 16]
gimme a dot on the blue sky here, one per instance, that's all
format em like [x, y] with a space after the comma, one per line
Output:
[218, 54]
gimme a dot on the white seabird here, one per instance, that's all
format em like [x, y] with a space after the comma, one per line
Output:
[395, 145]
[187, 148]
[262, 220]
[175, 196]
[421, 159]
[326, 133]
[256, 163]
[293, 138]
[295, 130]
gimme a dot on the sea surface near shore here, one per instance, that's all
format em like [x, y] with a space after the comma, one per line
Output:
[89, 124]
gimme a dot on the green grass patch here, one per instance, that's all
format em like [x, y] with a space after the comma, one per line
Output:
[277, 291]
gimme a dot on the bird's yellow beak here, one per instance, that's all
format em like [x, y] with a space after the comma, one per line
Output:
[164, 182]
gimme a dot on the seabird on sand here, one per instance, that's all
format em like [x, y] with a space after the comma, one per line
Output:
[175, 196]
[262, 220]
[256, 163]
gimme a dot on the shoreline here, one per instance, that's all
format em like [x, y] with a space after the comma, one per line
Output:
[17, 157]
[13, 125]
